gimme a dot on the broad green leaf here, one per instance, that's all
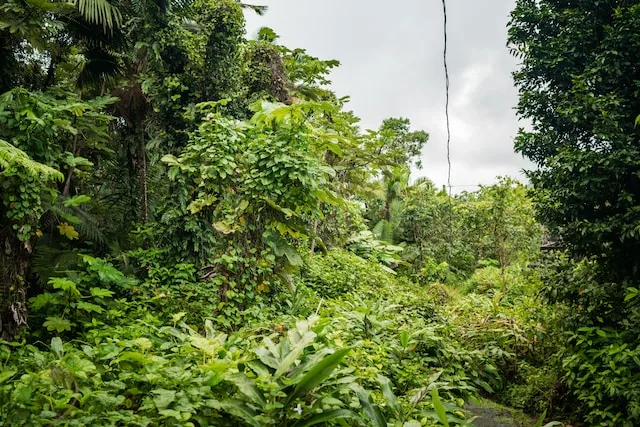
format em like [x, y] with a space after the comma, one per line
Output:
[249, 388]
[318, 373]
[176, 317]
[73, 161]
[163, 398]
[267, 355]
[259, 368]
[101, 293]
[244, 204]
[171, 413]
[541, 419]
[144, 343]
[56, 346]
[5, 375]
[404, 338]
[371, 410]
[295, 353]
[135, 356]
[385, 384]
[77, 200]
[64, 284]
[45, 299]
[325, 417]
[292, 255]
[486, 386]
[288, 212]
[631, 294]
[237, 408]
[57, 324]
[308, 362]
[106, 271]
[207, 345]
[439, 407]
[79, 366]
[89, 307]
[223, 227]
[281, 247]
[170, 160]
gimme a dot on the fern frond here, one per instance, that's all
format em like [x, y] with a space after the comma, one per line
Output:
[12, 156]
[83, 220]
[89, 226]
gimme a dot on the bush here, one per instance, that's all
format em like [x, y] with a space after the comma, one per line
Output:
[603, 373]
[339, 272]
[600, 357]
[535, 389]
[433, 271]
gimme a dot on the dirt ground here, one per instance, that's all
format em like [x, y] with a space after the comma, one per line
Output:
[493, 416]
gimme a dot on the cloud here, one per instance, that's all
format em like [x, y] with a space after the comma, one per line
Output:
[391, 55]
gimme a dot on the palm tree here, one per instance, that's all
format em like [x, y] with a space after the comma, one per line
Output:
[395, 181]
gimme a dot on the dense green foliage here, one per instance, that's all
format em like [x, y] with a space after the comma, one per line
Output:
[579, 85]
[195, 231]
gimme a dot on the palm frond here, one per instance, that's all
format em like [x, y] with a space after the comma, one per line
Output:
[100, 12]
[180, 4]
[190, 25]
[100, 65]
[259, 10]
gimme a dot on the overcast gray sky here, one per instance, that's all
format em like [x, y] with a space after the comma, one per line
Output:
[391, 66]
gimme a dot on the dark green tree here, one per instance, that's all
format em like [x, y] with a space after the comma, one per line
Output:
[579, 84]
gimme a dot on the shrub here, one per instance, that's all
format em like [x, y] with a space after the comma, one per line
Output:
[339, 272]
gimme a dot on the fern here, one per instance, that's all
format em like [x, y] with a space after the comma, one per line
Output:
[83, 220]
[49, 261]
[12, 156]
[89, 226]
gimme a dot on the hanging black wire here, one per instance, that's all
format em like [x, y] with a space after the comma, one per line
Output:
[446, 105]
[446, 112]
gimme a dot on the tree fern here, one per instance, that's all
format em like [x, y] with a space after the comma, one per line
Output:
[11, 156]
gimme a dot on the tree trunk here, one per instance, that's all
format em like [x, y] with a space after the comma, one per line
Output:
[142, 176]
[14, 261]
[313, 236]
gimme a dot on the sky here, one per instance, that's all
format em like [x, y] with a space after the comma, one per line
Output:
[392, 66]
